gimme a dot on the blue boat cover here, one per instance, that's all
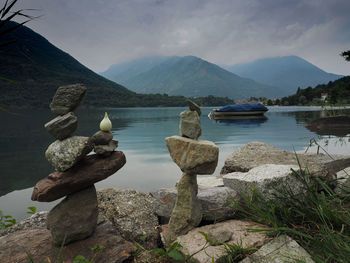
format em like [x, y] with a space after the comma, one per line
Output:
[243, 107]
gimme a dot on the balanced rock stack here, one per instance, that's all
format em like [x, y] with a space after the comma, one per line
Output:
[194, 157]
[75, 217]
[103, 139]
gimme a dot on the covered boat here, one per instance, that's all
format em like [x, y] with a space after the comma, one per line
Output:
[245, 109]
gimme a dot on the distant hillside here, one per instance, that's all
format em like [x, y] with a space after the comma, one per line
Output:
[338, 92]
[288, 72]
[188, 76]
[34, 69]
[123, 72]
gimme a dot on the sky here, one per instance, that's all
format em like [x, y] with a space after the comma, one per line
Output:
[99, 33]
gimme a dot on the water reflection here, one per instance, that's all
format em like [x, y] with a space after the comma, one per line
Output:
[141, 133]
[242, 120]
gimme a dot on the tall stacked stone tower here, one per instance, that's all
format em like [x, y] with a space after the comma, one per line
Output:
[193, 157]
[75, 217]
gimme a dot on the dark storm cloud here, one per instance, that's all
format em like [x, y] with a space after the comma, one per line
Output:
[103, 32]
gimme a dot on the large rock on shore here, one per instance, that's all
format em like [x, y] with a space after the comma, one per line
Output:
[88, 171]
[187, 213]
[268, 179]
[281, 249]
[193, 157]
[37, 242]
[213, 200]
[64, 154]
[256, 154]
[190, 125]
[67, 98]
[62, 127]
[74, 218]
[132, 214]
[231, 232]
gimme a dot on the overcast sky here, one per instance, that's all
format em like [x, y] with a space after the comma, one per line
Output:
[100, 33]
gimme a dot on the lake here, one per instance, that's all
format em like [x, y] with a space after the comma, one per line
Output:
[141, 133]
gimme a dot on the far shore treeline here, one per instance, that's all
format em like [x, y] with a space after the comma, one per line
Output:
[335, 92]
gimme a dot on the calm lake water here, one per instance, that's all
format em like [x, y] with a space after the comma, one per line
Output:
[141, 133]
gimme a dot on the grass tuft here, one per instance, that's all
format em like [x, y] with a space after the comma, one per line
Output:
[318, 219]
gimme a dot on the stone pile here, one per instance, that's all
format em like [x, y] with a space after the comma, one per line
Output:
[75, 218]
[193, 157]
[103, 139]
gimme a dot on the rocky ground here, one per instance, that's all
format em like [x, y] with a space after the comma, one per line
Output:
[130, 216]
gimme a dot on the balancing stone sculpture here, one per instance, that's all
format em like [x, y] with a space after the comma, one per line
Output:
[75, 218]
[194, 157]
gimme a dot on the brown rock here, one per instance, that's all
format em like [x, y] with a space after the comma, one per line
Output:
[15, 247]
[86, 172]
[74, 218]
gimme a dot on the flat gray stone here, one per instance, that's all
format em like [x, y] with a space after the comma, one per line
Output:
[268, 179]
[231, 232]
[256, 154]
[282, 249]
[106, 150]
[101, 138]
[194, 107]
[64, 154]
[62, 127]
[190, 126]
[74, 218]
[213, 201]
[187, 213]
[192, 156]
[132, 214]
[67, 98]
[210, 181]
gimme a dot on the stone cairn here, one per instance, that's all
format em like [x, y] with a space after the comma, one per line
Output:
[75, 218]
[194, 157]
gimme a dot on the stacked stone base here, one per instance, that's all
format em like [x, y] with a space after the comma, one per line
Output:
[187, 212]
[74, 218]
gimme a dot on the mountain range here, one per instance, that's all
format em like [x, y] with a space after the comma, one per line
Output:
[31, 69]
[188, 76]
[288, 72]
[193, 76]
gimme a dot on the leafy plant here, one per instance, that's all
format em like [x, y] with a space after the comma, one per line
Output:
[7, 15]
[171, 252]
[32, 210]
[6, 220]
